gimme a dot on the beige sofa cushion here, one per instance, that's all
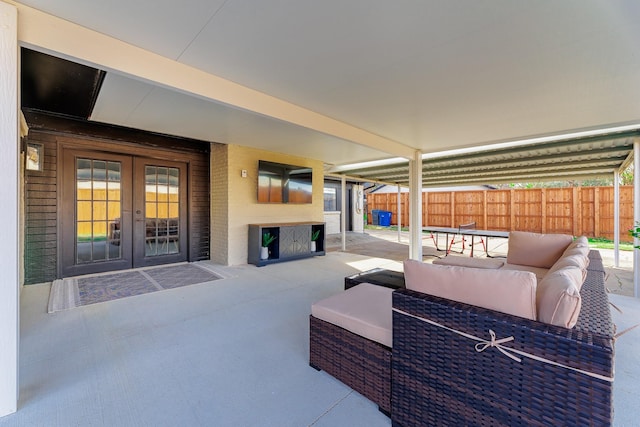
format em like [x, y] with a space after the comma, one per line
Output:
[558, 298]
[577, 250]
[364, 309]
[465, 261]
[538, 271]
[511, 292]
[580, 241]
[536, 250]
[576, 260]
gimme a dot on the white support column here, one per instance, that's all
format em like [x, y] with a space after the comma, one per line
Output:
[399, 215]
[616, 219]
[9, 155]
[636, 215]
[343, 214]
[415, 203]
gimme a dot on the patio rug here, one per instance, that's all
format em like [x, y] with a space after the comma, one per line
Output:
[84, 290]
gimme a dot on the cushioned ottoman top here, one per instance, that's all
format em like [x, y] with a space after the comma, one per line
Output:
[364, 310]
[465, 261]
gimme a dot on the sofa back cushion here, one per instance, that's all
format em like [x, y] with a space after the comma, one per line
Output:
[536, 250]
[579, 245]
[576, 260]
[559, 298]
[508, 291]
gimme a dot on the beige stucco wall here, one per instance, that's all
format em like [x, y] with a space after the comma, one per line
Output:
[234, 203]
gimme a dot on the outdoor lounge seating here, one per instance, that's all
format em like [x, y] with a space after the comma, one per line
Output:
[457, 363]
[351, 340]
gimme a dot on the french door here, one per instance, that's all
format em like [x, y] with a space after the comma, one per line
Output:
[119, 212]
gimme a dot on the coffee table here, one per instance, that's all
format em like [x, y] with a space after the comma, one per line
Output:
[377, 276]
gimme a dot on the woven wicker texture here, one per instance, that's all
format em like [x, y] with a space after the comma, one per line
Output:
[363, 365]
[440, 379]
[595, 261]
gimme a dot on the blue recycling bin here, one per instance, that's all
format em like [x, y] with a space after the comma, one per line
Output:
[375, 216]
[384, 218]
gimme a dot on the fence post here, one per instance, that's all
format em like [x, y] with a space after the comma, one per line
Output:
[452, 203]
[425, 207]
[512, 210]
[596, 212]
[543, 210]
[485, 224]
[576, 217]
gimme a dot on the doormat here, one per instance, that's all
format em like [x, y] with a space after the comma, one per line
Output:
[84, 290]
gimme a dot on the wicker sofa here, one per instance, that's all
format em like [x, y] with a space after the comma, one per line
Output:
[438, 377]
[442, 368]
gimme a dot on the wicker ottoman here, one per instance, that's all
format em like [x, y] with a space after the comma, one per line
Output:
[353, 357]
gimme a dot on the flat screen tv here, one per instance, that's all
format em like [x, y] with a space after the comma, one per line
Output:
[282, 183]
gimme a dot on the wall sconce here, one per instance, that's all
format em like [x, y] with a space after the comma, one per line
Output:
[34, 156]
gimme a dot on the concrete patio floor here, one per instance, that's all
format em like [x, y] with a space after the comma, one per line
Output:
[232, 352]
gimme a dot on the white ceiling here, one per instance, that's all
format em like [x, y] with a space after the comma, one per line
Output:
[431, 74]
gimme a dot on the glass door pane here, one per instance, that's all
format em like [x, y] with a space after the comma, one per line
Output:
[98, 210]
[162, 210]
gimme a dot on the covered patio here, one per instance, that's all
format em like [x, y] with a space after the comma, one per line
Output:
[335, 87]
[229, 352]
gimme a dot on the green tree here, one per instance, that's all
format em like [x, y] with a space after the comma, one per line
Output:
[626, 177]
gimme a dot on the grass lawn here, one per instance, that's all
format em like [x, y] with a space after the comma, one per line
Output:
[599, 243]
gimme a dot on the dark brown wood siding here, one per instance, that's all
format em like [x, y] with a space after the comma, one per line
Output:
[199, 206]
[42, 192]
[41, 216]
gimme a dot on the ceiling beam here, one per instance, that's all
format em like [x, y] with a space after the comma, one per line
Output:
[620, 139]
[358, 179]
[44, 32]
[610, 145]
[545, 159]
[581, 161]
[506, 180]
[515, 170]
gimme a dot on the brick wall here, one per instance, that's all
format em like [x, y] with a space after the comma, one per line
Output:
[219, 204]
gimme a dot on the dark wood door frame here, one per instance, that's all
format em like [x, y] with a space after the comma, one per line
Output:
[132, 222]
[67, 215]
[139, 216]
[42, 189]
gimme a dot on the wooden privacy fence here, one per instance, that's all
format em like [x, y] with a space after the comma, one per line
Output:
[576, 210]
